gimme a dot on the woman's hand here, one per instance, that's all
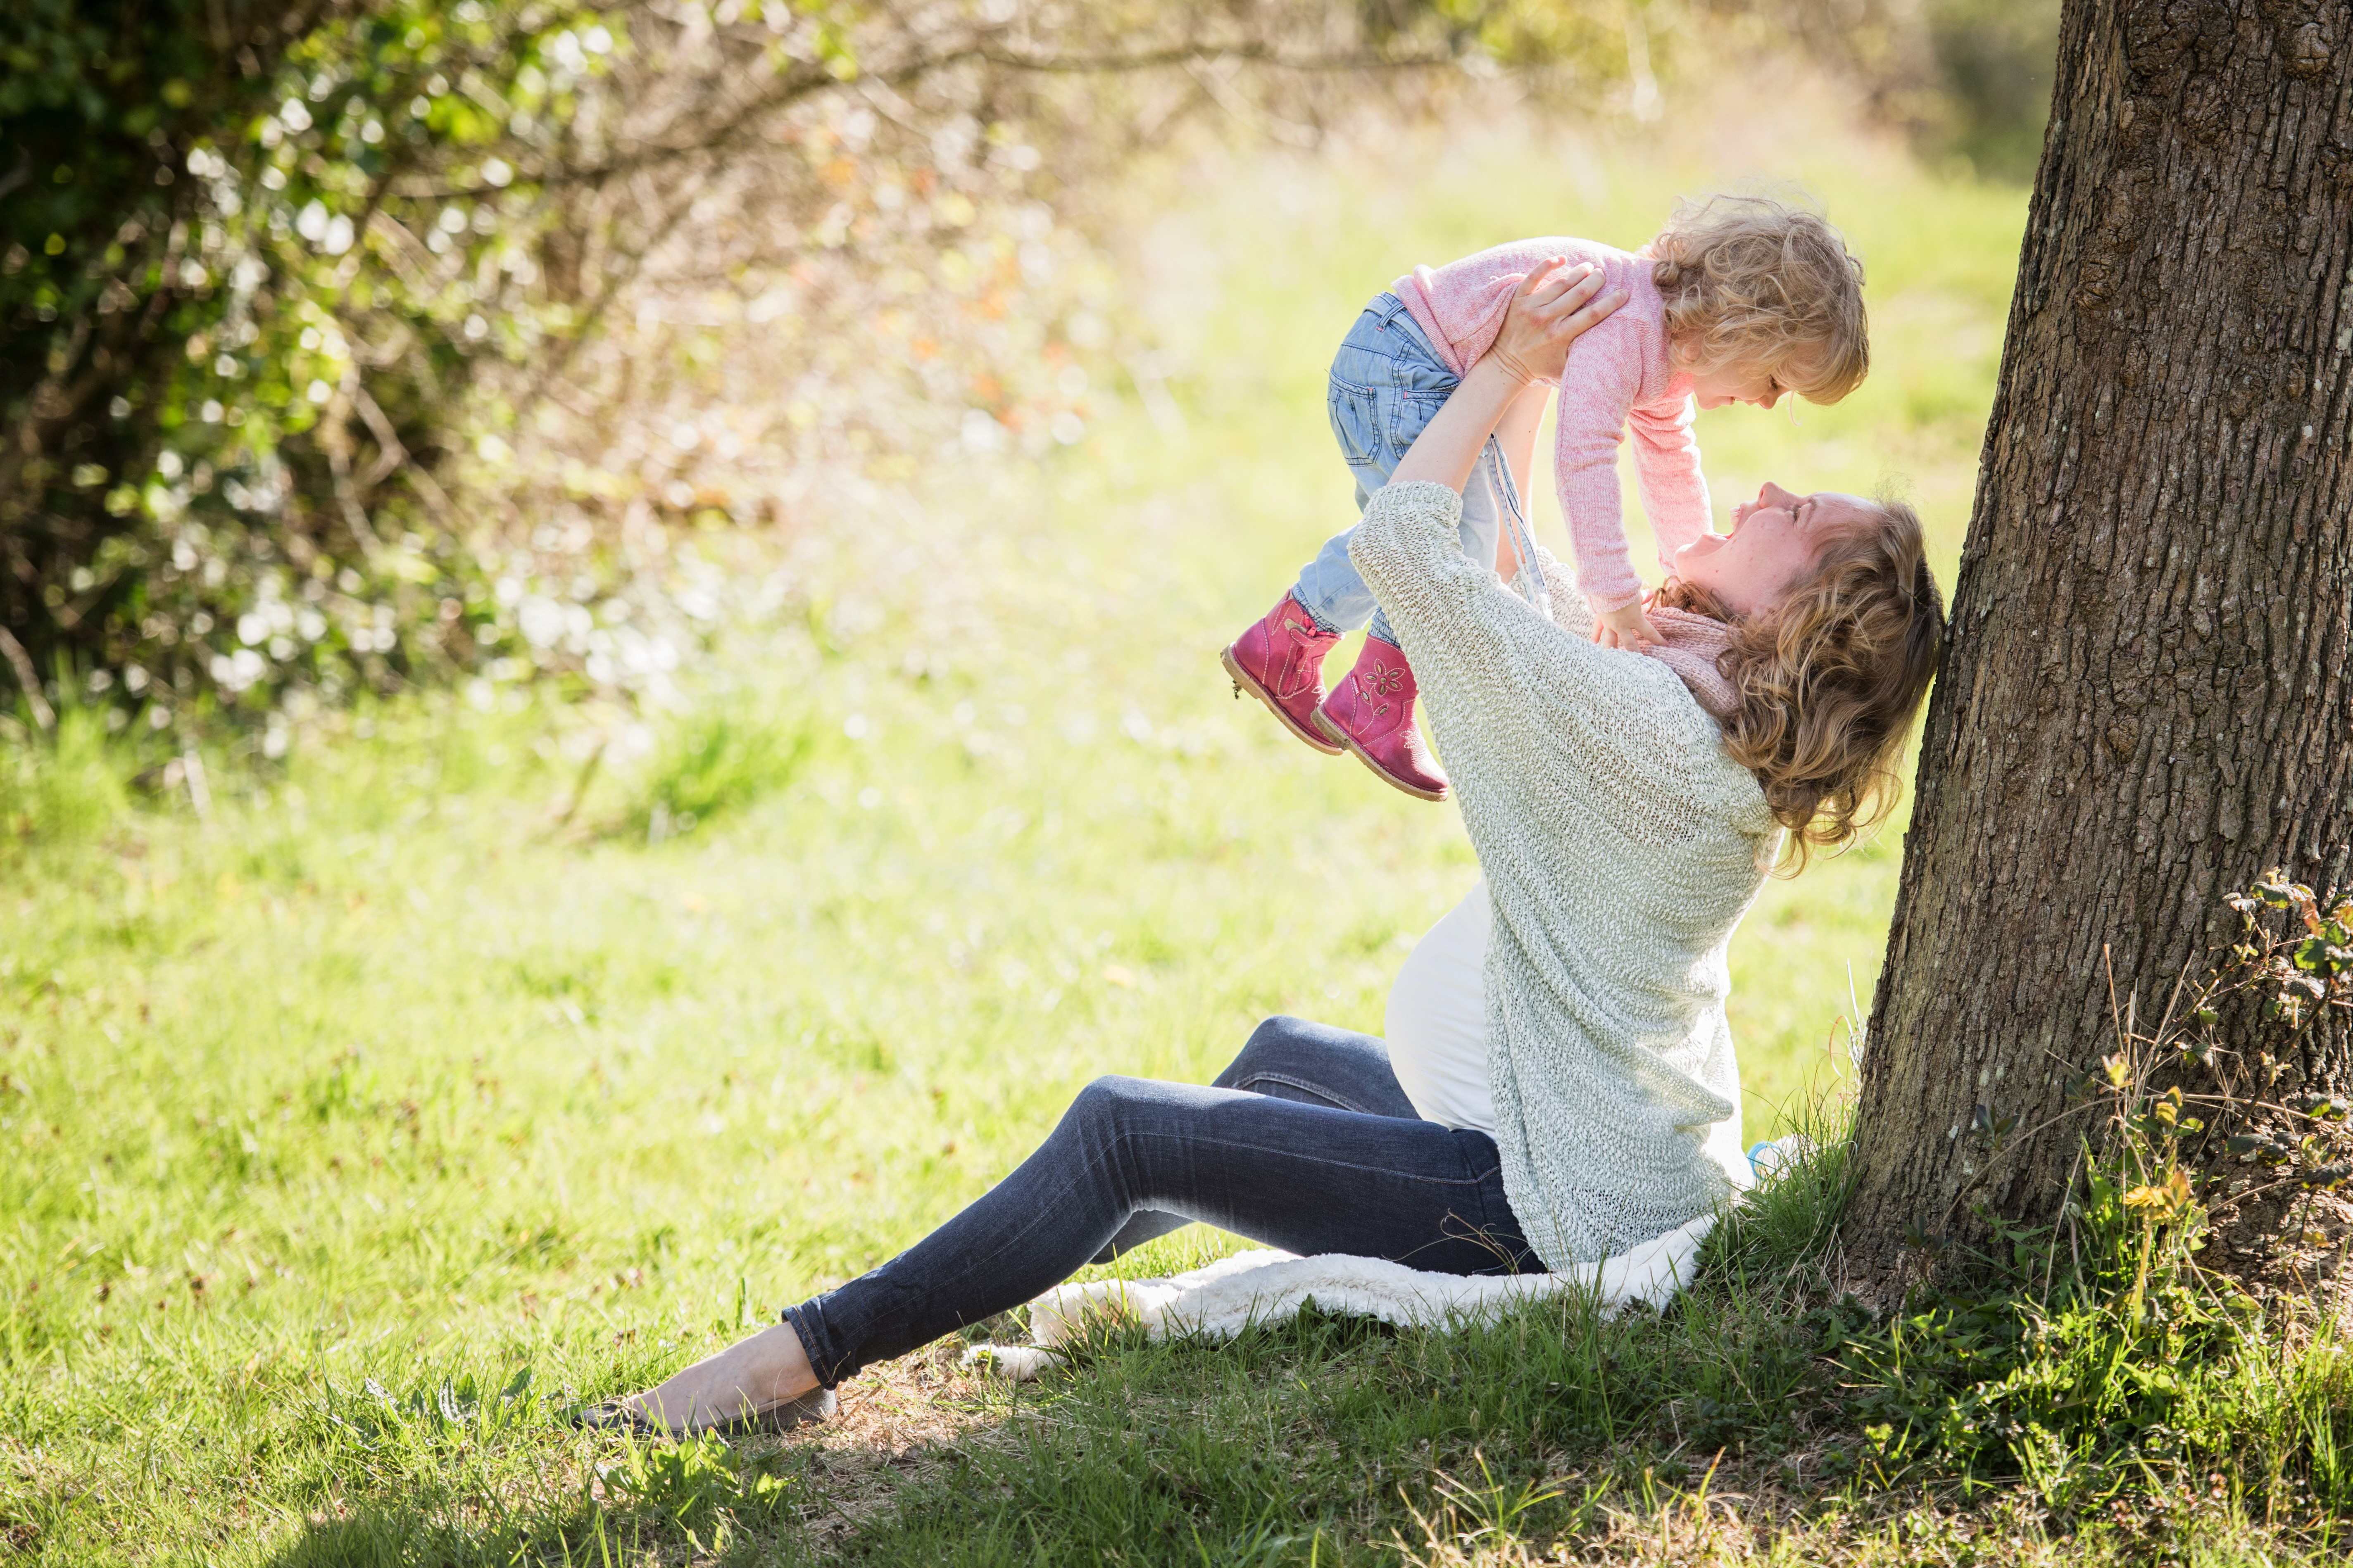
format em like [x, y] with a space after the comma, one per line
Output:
[1548, 310]
[1552, 308]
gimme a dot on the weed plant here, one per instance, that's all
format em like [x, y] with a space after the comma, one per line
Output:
[711, 762]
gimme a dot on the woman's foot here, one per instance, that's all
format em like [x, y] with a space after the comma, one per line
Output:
[1280, 661]
[1371, 715]
[762, 1384]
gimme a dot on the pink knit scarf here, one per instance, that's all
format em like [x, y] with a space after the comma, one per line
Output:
[1692, 645]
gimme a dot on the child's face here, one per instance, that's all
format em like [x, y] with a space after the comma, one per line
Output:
[1750, 384]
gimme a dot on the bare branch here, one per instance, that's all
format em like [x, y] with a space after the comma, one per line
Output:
[809, 81]
[1253, 53]
[27, 679]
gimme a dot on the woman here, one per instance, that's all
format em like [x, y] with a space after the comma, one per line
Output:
[1560, 1082]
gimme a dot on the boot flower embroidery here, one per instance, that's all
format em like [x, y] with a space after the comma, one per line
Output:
[1378, 683]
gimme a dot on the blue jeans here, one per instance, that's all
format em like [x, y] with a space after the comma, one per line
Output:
[1305, 1142]
[1386, 382]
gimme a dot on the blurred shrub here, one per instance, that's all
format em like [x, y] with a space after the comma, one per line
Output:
[237, 306]
[316, 375]
[1966, 79]
[1995, 62]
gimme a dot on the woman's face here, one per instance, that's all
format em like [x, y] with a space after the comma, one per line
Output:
[1774, 544]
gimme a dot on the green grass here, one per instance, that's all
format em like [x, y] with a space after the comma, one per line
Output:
[473, 1061]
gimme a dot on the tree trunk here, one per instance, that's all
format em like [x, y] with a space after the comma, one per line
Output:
[2145, 702]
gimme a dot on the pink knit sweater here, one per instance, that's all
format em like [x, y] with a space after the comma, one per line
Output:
[1618, 380]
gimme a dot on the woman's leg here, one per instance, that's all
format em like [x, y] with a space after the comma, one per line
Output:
[1315, 1064]
[1291, 1058]
[1308, 1178]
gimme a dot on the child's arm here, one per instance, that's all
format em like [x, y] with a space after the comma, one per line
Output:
[1666, 470]
[1598, 389]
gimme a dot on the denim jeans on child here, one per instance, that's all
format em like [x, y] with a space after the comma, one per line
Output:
[1386, 382]
[1306, 1142]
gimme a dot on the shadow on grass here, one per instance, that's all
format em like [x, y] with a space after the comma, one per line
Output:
[400, 1537]
[666, 1502]
[1761, 1413]
[1319, 1438]
[448, 1475]
[1137, 1449]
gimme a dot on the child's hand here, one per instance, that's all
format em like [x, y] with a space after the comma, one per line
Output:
[1625, 627]
[1552, 308]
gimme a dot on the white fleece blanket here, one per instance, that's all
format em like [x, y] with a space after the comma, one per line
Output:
[1220, 1300]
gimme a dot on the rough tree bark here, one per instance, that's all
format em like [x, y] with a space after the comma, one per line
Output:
[2145, 702]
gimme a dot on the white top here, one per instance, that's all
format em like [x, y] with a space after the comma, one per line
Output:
[1437, 1032]
[1437, 1023]
[1620, 846]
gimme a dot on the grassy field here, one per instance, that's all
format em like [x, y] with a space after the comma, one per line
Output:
[437, 1077]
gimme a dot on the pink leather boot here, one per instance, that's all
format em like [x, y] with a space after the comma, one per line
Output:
[1371, 713]
[1280, 661]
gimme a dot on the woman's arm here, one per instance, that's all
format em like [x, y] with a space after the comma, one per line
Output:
[1531, 716]
[1517, 433]
[1526, 702]
[1548, 312]
[1450, 444]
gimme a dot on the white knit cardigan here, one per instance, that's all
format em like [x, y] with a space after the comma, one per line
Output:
[1620, 844]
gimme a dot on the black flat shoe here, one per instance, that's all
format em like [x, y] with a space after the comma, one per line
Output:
[613, 1416]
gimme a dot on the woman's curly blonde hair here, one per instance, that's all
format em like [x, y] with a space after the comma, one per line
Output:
[1749, 280]
[1830, 678]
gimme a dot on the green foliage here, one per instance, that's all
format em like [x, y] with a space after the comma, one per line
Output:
[1969, 80]
[202, 271]
[2125, 1384]
[252, 259]
[2105, 1364]
[687, 1486]
[2303, 970]
[282, 289]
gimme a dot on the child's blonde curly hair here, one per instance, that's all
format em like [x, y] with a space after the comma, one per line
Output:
[1830, 678]
[1751, 280]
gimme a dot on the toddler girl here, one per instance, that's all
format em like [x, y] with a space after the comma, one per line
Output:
[1739, 300]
